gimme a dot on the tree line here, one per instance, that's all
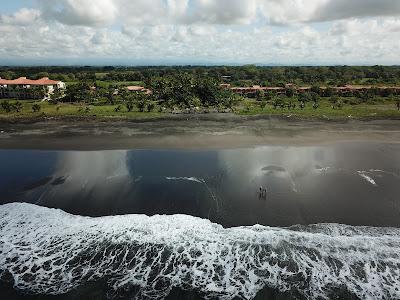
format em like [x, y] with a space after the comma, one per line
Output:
[237, 75]
[181, 91]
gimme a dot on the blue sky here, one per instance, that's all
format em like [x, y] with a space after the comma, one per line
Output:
[8, 6]
[130, 32]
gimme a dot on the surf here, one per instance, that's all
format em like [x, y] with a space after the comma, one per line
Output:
[50, 252]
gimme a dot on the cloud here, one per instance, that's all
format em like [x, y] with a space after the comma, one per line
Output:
[23, 17]
[224, 11]
[195, 31]
[227, 12]
[343, 9]
[80, 12]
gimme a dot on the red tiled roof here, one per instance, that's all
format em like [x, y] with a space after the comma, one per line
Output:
[135, 88]
[25, 81]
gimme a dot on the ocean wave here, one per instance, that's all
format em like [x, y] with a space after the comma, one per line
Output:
[47, 251]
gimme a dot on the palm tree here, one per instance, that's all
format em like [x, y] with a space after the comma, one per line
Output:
[334, 100]
[129, 105]
[36, 107]
[150, 106]
[141, 105]
[17, 106]
[398, 103]
[263, 104]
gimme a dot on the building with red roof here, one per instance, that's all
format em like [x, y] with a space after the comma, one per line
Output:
[24, 88]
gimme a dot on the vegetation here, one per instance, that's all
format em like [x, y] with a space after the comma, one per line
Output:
[238, 75]
[102, 92]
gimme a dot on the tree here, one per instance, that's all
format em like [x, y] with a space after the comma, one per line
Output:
[334, 100]
[208, 91]
[329, 92]
[79, 92]
[290, 92]
[303, 98]
[260, 95]
[263, 104]
[290, 103]
[150, 106]
[38, 92]
[269, 95]
[6, 106]
[316, 89]
[129, 105]
[17, 106]
[315, 99]
[36, 107]
[396, 100]
[55, 96]
[278, 101]
[141, 104]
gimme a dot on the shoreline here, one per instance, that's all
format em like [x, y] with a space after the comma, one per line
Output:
[176, 117]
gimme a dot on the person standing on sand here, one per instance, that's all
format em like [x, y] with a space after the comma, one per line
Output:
[262, 194]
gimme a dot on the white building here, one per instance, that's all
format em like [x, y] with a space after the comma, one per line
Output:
[23, 88]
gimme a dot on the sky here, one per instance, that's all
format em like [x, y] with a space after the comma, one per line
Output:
[197, 32]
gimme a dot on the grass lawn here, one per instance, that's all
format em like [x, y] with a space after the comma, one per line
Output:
[247, 107]
[381, 110]
[74, 110]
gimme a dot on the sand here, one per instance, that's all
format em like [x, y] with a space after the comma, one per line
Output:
[212, 132]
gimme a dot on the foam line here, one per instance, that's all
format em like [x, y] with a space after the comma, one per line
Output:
[47, 251]
[368, 178]
[194, 179]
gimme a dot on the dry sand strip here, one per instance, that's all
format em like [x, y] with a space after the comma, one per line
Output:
[193, 134]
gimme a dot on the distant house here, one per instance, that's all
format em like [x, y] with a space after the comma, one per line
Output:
[23, 88]
[225, 85]
[346, 90]
[251, 92]
[138, 89]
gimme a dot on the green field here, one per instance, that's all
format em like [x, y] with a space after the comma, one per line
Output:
[248, 107]
[325, 111]
[74, 110]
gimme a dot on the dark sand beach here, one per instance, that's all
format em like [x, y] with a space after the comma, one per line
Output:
[181, 198]
[219, 131]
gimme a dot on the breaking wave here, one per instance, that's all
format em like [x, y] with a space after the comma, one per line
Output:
[47, 251]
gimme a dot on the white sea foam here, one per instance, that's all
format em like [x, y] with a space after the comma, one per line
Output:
[194, 179]
[48, 251]
[367, 177]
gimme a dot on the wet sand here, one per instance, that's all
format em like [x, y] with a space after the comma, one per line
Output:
[211, 132]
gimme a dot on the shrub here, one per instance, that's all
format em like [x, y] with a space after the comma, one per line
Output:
[150, 106]
[17, 106]
[141, 104]
[129, 106]
[36, 107]
[6, 106]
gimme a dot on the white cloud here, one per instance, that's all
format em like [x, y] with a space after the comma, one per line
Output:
[78, 12]
[342, 9]
[24, 16]
[233, 31]
[224, 11]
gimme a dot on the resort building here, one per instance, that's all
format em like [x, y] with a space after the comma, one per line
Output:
[347, 90]
[23, 88]
[138, 89]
